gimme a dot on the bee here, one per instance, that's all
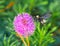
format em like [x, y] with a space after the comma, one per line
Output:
[43, 19]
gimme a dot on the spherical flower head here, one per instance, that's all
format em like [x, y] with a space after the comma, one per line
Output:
[24, 24]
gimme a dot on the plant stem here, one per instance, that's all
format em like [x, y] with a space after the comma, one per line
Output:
[27, 41]
[23, 40]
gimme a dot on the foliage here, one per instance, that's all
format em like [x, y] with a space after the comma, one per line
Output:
[43, 35]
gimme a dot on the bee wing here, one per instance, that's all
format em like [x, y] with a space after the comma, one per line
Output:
[46, 16]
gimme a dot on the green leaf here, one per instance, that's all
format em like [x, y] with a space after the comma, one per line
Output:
[42, 3]
[9, 39]
[2, 1]
[53, 29]
[4, 41]
[2, 6]
[13, 43]
[25, 6]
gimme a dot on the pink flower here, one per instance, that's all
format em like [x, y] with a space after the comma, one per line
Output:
[24, 24]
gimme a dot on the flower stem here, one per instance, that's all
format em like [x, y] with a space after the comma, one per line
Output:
[27, 41]
[23, 40]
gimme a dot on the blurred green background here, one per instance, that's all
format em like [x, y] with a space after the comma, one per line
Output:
[10, 8]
